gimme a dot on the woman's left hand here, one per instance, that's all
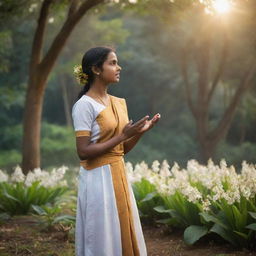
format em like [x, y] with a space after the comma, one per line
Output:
[150, 123]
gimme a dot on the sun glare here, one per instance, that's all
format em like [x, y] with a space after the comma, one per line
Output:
[221, 6]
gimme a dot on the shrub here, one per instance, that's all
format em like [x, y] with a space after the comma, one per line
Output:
[18, 192]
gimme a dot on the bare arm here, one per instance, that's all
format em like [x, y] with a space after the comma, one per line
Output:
[129, 144]
[87, 150]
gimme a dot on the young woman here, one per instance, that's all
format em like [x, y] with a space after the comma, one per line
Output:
[107, 222]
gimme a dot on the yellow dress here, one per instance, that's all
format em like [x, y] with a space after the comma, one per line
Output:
[103, 179]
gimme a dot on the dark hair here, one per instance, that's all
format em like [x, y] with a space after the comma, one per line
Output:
[95, 56]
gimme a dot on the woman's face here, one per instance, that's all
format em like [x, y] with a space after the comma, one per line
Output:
[110, 70]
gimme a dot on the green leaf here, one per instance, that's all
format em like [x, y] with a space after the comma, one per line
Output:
[207, 217]
[240, 218]
[168, 221]
[161, 209]
[210, 218]
[225, 234]
[39, 210]
[253, 214]
[64, 218]
[243, 235]
[194, 233]
[252, 226]
[11, 197]
[149, 196]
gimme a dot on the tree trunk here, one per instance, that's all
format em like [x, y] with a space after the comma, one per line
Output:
[207, 151]
[32, 124]
[40, 68]
[199, 106]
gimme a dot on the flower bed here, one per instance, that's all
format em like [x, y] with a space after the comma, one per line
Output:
[200, 199]
[19, 192]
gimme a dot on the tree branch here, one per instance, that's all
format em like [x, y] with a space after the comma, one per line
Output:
[184, 72]
[227, 118]
[61, 38]
[221, 66]
[73, 7]
[39, 34]
[203, 72]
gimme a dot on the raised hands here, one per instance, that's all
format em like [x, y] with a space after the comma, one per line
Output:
[140, 126]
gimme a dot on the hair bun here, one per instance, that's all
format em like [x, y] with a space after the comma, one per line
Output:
[80, 76]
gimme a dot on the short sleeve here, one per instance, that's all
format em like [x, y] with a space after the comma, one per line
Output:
[83, 117]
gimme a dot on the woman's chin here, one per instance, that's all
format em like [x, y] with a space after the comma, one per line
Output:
[116, 80]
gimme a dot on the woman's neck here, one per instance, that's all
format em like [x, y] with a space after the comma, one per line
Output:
[99, 89]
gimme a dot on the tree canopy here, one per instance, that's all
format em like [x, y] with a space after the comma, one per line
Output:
[162, 46]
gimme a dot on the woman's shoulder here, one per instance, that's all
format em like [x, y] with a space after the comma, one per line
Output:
[83, 104]
[83, 101]
[88, 104]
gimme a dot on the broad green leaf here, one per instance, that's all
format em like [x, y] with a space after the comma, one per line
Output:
[210, 218]
[39, 210]
[11, 197]
[252, 226]
[194, 233]
[240, 219]
[226, 213]
[243, 235]
[253, 214]
[64, 218]
[149, 196]
[207, 217]
[225, 234]
[161, 209]
[168, 221]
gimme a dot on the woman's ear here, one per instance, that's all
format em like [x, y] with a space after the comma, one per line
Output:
[95, 70]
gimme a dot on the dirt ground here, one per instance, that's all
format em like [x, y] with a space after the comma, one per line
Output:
[161, 241]
[21, 236]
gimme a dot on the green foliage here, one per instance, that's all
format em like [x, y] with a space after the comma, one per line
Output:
[161, 144]
[8, 158]
[57, 146]
[194, 233]
[5, 46]
[147, 198]
[50, 215]
[148, 51]
[182, 213]
[11, 138]
[16, 198]
[116, 34]
[203, 199]
[231, 222]
[235, 154]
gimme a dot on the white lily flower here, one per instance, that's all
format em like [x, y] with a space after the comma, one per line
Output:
[18, 175]
[155, 166]
[3, 176]
[165, 169]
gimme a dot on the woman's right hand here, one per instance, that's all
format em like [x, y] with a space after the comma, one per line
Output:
[133, 129]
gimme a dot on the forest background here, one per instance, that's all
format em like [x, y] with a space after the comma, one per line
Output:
[169, 59]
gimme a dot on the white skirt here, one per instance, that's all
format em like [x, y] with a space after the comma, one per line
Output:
[97, 221]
